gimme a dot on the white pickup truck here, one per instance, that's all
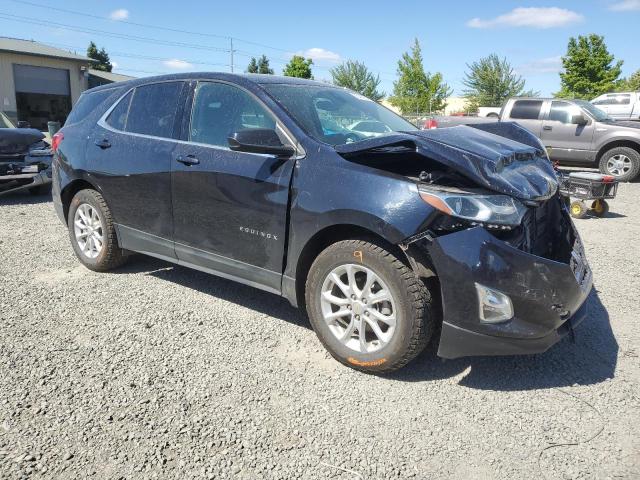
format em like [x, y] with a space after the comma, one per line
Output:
[619, 106]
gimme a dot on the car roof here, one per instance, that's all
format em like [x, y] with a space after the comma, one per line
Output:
[239, 78]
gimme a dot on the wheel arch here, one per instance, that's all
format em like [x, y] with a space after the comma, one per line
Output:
[633, 144]
[68, 192]
[332, 234]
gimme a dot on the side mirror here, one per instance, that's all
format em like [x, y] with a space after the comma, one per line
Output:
[259, 140]
[24, 124]
[579, 119]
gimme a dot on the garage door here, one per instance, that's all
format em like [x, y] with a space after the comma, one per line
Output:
[30, 79]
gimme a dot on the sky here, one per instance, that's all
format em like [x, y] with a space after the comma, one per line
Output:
[194, 35]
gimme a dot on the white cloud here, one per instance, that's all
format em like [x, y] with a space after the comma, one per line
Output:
[530, 17]
[177, 64]
[114, 64]
[320, 54]
[541, 66]
[625, 6]
[120, 14]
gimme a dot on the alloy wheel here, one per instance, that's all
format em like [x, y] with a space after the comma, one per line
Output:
[87, 227]
[358, 307]
[619, 165]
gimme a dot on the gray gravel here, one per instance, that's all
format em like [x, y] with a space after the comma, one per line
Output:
[157, 371]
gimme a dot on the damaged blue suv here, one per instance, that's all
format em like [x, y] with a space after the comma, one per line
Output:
[386, 237]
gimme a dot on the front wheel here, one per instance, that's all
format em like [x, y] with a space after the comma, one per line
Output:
[621, 162]
[92, 232]
[367, 307]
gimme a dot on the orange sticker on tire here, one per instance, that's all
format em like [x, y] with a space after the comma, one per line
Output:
[358, 255]
[373, 363]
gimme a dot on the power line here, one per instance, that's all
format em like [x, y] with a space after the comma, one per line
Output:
[147, 25]
[132, 55]
[150, 40]
[156, 41]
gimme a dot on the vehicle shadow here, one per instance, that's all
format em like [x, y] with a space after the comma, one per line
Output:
[228, 290]
[591, 359]
[23, 198]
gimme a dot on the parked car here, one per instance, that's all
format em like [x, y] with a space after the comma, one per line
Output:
[25, 159]
[619, 106]
[370, 128]
[573, 131]
[380, 239]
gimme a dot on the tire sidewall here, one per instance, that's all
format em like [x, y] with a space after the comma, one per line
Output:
[629, 152]
[87, 196]
[405, 314]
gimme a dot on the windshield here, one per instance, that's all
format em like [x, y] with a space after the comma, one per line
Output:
[597, 114]
[335, 115]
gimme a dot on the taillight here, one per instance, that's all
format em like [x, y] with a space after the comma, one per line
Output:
[55, 141]
[430, 123]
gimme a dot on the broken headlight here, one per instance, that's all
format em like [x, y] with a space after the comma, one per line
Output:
[476, 208]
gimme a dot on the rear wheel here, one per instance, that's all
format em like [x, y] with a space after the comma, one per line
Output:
[600, 207]
[92, 233]
[621, 162]
[367, 307]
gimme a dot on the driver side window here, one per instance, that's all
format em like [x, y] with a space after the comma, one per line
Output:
[219, 110]
[562, 112]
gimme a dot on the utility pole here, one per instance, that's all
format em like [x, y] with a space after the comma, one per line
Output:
[231, 39]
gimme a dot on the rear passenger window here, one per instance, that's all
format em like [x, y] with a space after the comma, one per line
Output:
[219, 110]
[118, 116]
[86, 104]
[526, 109]
[153, 109]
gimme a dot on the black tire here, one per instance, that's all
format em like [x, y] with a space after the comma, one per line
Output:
[40, 190]
[600, 207]
[414, 321]
[578, 209]
[630, 153]
[111, 255]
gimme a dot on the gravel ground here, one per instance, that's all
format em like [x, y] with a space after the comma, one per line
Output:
[157, 371]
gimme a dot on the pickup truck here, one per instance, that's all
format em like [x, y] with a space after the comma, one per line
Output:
[573, 131]
[619, 106]
[386, 238]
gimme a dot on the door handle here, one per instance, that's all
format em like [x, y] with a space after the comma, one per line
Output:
[103, 144]
[187, 160]
[547, 127]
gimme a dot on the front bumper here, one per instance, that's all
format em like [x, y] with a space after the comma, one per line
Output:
[548, 301]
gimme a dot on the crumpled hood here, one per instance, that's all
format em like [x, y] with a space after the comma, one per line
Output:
[18, 140]
[502, 157]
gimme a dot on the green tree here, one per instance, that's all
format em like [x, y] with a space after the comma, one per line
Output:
[357, 77]
[260, 66]
[299, 67]
[631, 83]
[263, 66]
[101, 56]
[491, 81]
[417, 90]
[589, 69]
[253, 66]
